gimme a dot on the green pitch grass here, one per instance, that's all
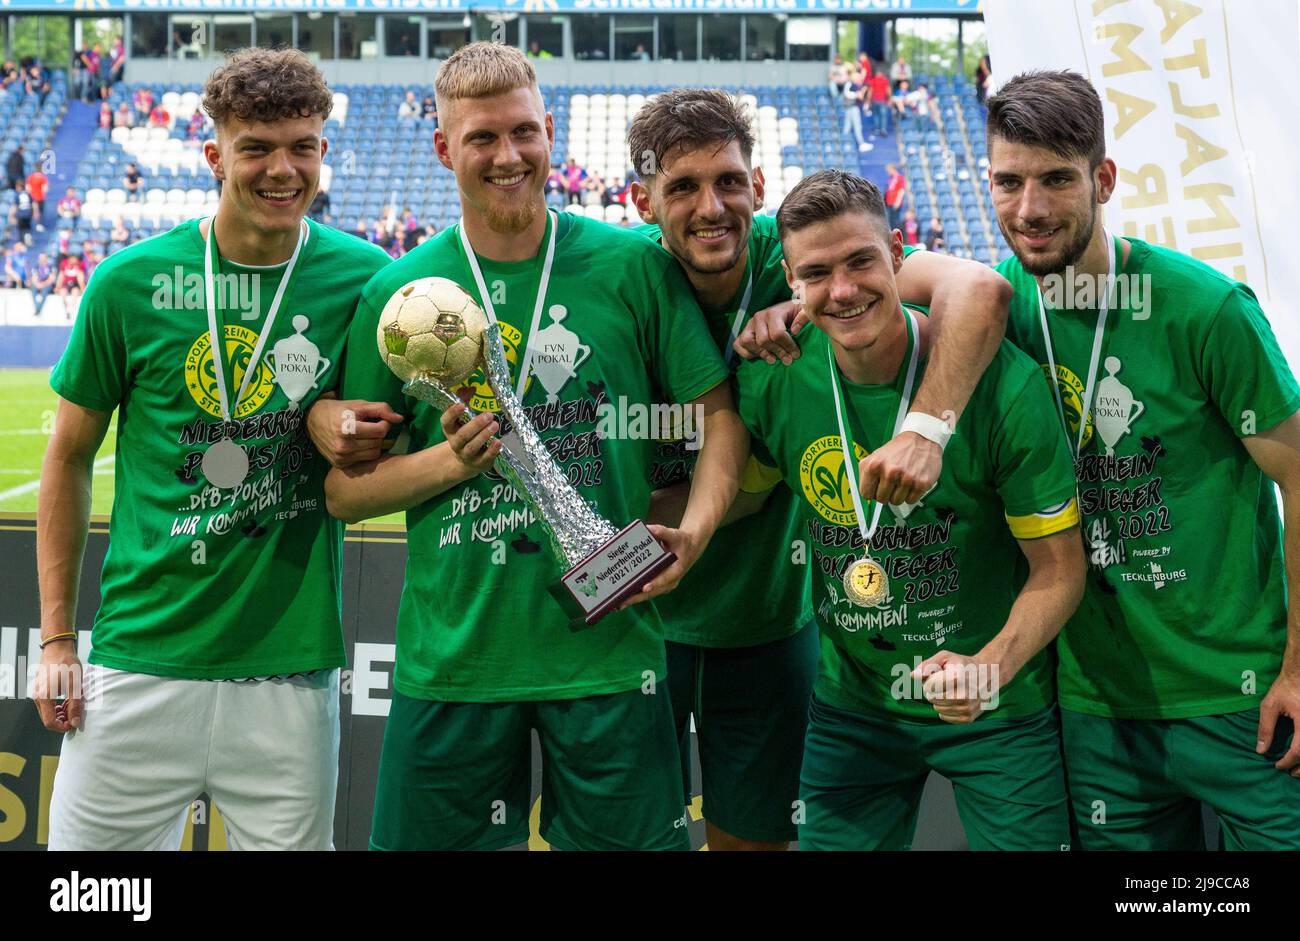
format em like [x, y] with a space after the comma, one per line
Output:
[27, 407]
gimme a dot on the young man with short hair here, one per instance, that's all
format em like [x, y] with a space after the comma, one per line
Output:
[218, 640]
[744, 663]
[1180, 674]
[483, 653]
[934, 616]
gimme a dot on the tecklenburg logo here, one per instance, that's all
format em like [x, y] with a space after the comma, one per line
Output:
[201, 377]
[1072, 399]
[824, 480]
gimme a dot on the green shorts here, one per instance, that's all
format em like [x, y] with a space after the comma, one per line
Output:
[863, 776]
[456, 776]
[1137, 784]
[751, 712]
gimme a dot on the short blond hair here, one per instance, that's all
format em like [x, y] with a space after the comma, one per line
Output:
[481, 69]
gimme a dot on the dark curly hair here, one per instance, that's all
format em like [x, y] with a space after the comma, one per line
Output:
[264, 85]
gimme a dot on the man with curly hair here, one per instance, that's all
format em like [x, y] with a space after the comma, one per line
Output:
[218, 640]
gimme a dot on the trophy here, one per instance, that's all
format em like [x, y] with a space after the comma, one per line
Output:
[434, 336]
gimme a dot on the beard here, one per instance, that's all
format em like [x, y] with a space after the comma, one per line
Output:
[1042, 266]
[691, 261]
[516, 215]
[513, 220]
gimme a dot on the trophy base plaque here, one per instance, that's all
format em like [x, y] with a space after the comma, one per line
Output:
[611, 575]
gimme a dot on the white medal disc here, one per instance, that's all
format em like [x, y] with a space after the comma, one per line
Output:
[225, 464]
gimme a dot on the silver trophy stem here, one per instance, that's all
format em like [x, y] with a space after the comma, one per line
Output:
[575, 528]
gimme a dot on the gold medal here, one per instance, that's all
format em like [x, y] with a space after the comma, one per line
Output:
[865, 583]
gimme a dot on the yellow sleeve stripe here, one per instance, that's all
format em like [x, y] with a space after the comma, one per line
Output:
[758, 477]
[1045, 522]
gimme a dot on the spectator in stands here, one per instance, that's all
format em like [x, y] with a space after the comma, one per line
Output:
[38, 184]
[143, 100]
[574, 177]
[362, 231]
[409, 224]
[865, 68]
[429, 110]
[8, 75]
[198, 128]
[853, 97]
[38, 82]
[397, 244]
[838, 77]
[880, 103]
[535, 51]
[117, 61]
[40, 280]
[901, 71]
[555, 196]
[72, 277]
[379, 235]
[593, 190]
[118, 236]
[983, 77]
[105, 115]
[895, 193]
[20, 213]
[133, 184]
[15, 270]
[69, 207]
[616, 193]
[320, 205]
[934, 233]
[911, 228]
[159, 116]
[99, 81]
[123, 116]
[921, 104]
[91, 256]
[640, 54]
[15, 168]
[898, 103]
[409, 108]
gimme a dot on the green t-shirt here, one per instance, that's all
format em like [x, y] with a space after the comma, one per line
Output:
[198, 582]
[1185, 611]
[953, 564]
[476, 623]
[752, 575]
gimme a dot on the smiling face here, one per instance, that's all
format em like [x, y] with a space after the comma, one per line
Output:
[269, 171]
[1046, 204]
[845, 266]
[499, 147]
[704, 202]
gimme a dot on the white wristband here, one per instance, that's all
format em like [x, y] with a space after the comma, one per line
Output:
[928, 427]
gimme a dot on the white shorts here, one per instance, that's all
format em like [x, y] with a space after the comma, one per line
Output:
[265, 751]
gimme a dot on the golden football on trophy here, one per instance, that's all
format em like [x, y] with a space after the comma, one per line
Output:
[432, 329]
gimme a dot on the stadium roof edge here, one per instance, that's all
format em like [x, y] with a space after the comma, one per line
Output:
[853, 7]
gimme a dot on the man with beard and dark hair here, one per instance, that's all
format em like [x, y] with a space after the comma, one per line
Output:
[1181, 411]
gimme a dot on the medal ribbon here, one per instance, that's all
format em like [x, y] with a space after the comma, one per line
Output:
[739, 320]
[846, 437]
[217, 317]
[1103, 309]
[526, 361]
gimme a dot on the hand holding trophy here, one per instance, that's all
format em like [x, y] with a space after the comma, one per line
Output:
[434, 337]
